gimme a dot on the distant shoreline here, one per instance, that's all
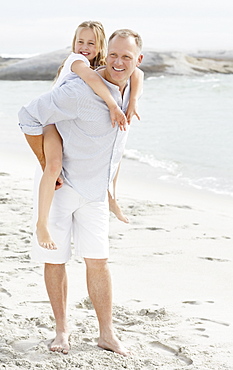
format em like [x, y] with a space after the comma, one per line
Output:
[44, 66]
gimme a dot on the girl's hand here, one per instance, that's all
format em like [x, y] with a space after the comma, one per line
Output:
[117, 116]
[132, 111]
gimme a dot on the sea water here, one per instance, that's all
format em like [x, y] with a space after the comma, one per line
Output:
[185, 133]
[186, 130]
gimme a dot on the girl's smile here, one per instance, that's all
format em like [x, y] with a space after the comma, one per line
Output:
[85, 43]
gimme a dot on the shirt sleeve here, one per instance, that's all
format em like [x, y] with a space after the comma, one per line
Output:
[58, 105]
[74, 57]
[66, 72]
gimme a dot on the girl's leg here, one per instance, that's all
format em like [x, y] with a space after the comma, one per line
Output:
[53, 156]
[113, 205]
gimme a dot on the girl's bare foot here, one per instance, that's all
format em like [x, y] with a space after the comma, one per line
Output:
[44, 238]
[60, 343]
[114, 208]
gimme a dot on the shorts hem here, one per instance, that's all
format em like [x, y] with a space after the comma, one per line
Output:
[106, 256]
[46, 260]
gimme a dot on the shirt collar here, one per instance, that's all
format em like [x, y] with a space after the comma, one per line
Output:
[111, 85]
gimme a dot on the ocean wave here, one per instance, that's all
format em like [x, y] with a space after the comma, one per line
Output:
[173, 172]
[169, 166]
[213, 184]
[205, 79]
[17, 56]
[155, 77]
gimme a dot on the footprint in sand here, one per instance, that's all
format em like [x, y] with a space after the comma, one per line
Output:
[152, 313]
[200, 329]
[154, 228]
[25, 345]
[4, 200]
[215, 322]
[179, 206]
[3, 290]
[196, 302]
[214, 259]
[192, 302]
[158, 346]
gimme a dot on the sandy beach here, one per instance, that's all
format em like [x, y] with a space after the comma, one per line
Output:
[172, 273]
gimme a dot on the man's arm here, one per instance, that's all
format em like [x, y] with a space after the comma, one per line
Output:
[36, 144]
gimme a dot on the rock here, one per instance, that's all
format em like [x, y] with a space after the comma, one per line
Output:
[45, 66]
[41, 67]
[153, 62]
[187, 64]
[4, 62]
[210, 65]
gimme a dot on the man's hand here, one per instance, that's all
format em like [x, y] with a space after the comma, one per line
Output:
[59, 183]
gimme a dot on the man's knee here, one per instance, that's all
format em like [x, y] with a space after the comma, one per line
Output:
[54, 267]
[97, 264]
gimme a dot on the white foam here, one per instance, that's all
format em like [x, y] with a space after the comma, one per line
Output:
[14, 56]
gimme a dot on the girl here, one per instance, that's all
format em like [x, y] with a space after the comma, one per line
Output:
[88, 52]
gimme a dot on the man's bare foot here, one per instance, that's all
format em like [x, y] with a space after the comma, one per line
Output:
[60, 343]
[114, 208]
[44, 238]
[114, 345]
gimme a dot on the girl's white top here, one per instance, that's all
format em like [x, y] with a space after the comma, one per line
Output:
[66, 72]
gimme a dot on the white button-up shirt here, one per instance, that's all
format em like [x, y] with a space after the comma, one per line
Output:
[92, 148]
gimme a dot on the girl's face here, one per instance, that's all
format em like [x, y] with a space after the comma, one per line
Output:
[85, 43]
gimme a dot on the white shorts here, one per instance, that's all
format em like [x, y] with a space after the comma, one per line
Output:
[73, 218]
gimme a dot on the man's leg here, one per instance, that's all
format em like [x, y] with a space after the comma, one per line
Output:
[56, 284]
[100, 292]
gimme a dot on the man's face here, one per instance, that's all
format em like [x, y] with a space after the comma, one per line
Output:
[122, 59]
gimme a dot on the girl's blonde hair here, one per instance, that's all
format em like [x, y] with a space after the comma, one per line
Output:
[99, 32]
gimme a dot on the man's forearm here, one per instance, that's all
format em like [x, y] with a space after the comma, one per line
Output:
[36, 144]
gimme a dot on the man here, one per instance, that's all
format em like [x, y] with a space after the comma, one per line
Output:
[92, 150]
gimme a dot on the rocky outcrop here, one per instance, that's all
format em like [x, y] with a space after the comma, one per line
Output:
[41, 67]
[187, 64]
[44, 66]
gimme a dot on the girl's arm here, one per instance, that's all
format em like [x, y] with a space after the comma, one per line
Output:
[136, 83]
[99, 87]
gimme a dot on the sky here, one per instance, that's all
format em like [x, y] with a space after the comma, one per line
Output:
[34, 27]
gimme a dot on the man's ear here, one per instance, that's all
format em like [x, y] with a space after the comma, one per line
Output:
[139, 61]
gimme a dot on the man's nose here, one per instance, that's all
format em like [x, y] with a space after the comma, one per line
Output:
[118, 61]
